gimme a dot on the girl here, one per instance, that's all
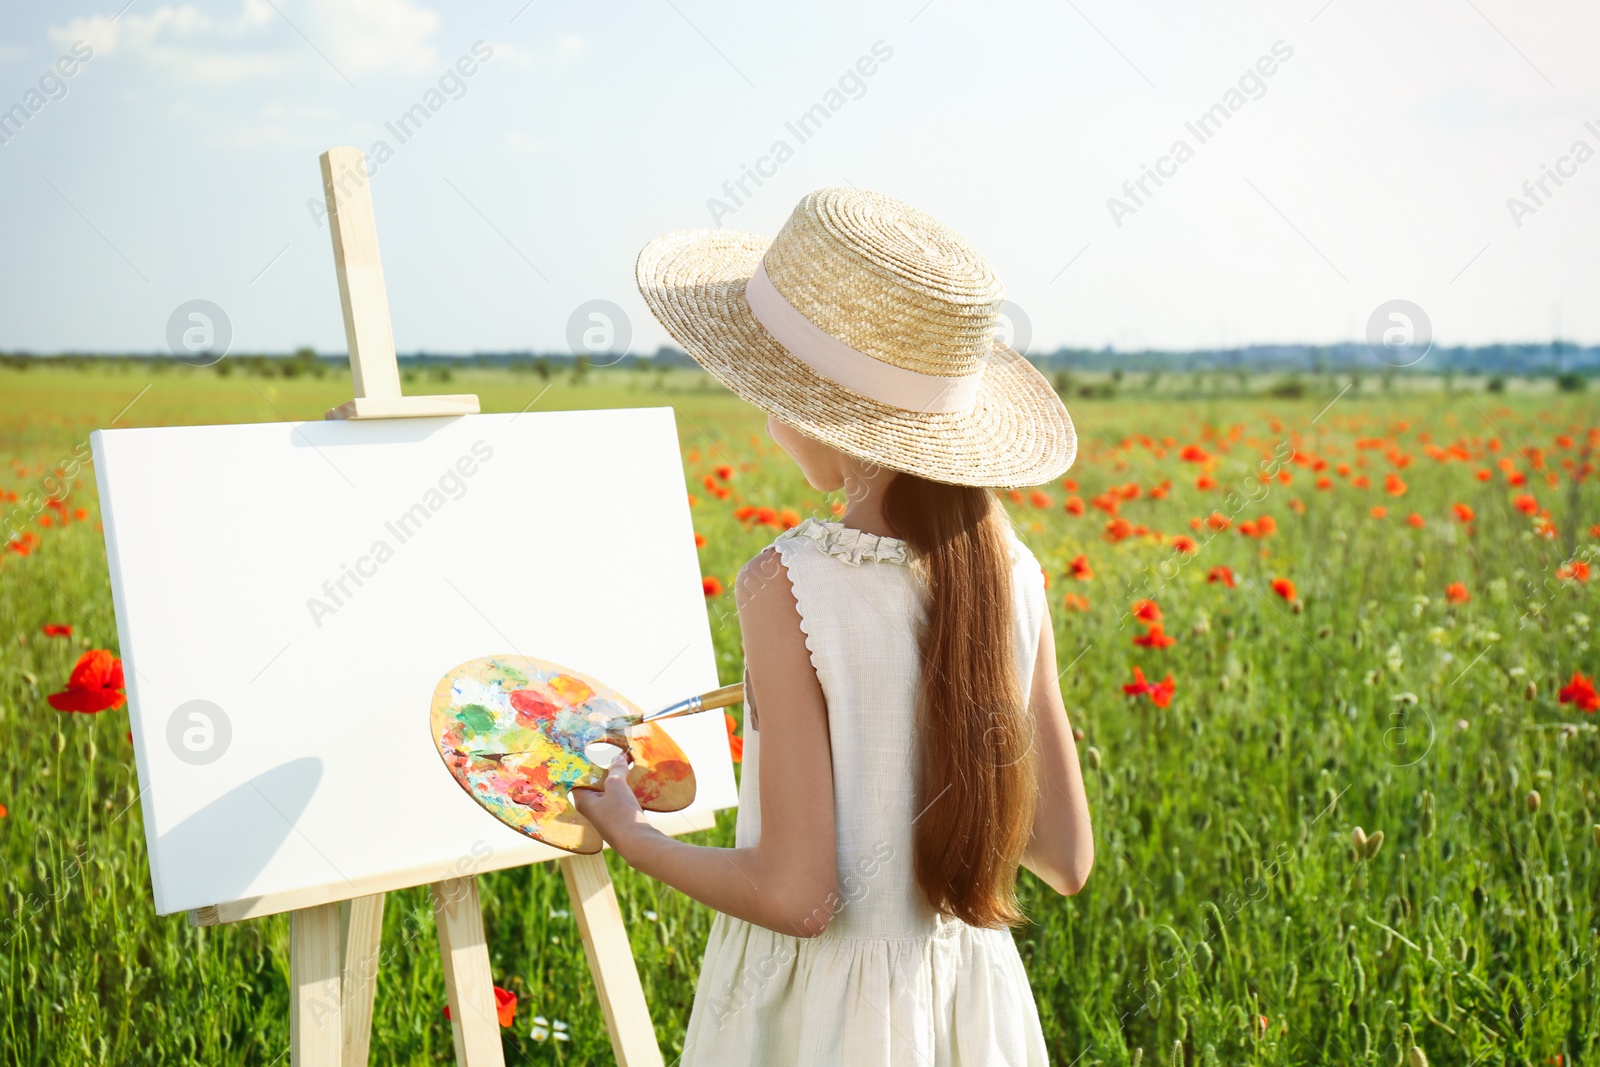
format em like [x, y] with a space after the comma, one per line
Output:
[906, 745]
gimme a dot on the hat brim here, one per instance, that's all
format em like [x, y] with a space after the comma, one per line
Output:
[1016, 433]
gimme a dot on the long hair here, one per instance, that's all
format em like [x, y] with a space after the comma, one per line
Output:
[976, 786]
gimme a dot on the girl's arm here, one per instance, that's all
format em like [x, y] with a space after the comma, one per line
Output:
[1062, 849]
[788, 881]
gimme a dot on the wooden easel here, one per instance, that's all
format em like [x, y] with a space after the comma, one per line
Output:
[334, 944]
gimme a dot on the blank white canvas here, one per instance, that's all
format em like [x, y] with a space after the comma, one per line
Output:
[569, 540]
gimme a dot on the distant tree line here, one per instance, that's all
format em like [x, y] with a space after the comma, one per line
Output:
[1089, 373]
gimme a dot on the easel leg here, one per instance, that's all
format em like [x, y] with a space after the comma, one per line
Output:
[315, 1036]
[362, 936]
[468, 982]
[605, 942]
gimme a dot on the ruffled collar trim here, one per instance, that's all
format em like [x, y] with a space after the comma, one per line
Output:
[849, 544]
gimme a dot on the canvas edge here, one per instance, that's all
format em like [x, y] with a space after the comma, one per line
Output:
[98, 445]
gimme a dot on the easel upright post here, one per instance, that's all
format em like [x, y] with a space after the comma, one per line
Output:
[616, 976]
[361, 932]
[315, 997]
[367, 328]
[375, 371]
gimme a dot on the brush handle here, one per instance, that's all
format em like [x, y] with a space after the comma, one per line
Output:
[717, 698]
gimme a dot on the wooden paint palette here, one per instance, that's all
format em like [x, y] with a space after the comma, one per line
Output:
[513, 731]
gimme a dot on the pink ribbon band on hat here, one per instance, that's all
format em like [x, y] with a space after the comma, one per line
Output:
[849, 367]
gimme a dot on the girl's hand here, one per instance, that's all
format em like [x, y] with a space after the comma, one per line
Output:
[613, 810]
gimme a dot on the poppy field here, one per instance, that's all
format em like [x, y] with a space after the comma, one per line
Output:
[1332, 660]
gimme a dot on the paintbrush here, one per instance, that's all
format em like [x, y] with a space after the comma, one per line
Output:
[717, 698]
[622, 725]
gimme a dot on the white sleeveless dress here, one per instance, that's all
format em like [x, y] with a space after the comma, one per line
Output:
[890, 982]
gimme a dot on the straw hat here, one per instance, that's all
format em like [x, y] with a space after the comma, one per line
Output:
[869, 326]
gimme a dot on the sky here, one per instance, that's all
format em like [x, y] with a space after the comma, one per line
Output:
[1358, 152]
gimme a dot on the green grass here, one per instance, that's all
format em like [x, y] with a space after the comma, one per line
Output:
[1226, 885]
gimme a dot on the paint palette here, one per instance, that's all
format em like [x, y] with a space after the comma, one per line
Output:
[514, 731]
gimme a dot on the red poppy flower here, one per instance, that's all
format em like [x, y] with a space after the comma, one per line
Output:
[95, 684]
[1526, 503]
[699, 539]
[1079, 568]
[711, 586]
[1218, 521]
[1040, 499]
[80, 514]
[735, 744]
[1414, 519]
[1380, 512]
[505, 1006]
[56, 629]
[1581, 691]
[1118, 530]
[1223, 575]
[1074, 505]
[1284, 588]
[1456, 593]
[725, 472]
[1160, 694]
[1193, 454]
[1155, 637]
[1146, 611]
[1575, 571]
[1204, 482]
[1186, 545]
[1464, 513]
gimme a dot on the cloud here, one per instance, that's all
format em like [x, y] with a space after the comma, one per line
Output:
[369, 35]
[567, 47]
[262, 41]
[512, 55]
